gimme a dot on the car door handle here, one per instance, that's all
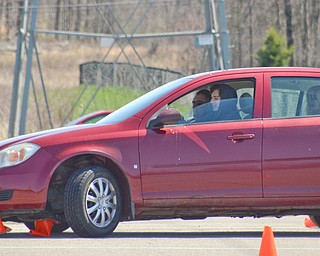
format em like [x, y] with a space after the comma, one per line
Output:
[236, 137]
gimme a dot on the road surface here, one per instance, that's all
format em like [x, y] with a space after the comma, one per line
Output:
[212, 236]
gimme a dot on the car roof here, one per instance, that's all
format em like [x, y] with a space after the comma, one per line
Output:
[259, 69]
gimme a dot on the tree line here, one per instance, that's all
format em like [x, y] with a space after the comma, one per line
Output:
[248, 22]
[297, 20]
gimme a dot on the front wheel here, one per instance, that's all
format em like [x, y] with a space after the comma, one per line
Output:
[92, 202]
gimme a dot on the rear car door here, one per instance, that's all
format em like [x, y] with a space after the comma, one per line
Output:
[291, 148]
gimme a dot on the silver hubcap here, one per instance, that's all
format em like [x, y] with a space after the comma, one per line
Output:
[101, 202]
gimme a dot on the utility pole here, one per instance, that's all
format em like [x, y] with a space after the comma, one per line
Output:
[24, 108]
[208, 16]
[224, 35]
[17, 88]
[216, 26]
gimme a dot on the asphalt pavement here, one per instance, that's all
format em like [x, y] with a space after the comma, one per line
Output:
[212, 236]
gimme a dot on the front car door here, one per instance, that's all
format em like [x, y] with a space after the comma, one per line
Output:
[223, 158]
[213, 159]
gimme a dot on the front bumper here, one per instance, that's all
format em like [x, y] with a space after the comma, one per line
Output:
[25, 186]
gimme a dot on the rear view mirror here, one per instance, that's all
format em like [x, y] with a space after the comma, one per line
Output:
[166, 117]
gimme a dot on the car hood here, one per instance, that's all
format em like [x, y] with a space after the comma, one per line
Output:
[28, 137]
[77, 133]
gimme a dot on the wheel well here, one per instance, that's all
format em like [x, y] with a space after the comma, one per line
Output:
[66, 169]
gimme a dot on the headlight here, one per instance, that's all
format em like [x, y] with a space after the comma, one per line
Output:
[17, 154]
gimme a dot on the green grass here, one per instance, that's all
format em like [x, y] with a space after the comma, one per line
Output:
[106, 98]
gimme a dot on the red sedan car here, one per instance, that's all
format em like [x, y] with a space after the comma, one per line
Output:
[225, 143]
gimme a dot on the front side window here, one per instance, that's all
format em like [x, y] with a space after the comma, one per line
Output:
[295, 96]
[228, 100]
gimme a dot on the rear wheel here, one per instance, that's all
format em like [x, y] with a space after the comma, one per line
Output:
[316, 220]
[93, 202]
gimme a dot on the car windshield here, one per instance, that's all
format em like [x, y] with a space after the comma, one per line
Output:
[140, 103]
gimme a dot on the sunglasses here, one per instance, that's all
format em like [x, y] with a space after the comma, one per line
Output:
[197, 103]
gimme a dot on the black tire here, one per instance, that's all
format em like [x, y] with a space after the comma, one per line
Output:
[92, 202]
[57, 228]
[316, 220]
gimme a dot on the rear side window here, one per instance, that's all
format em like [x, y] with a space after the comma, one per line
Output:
[295, 96]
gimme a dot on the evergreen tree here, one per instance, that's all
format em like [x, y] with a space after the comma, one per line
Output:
[274, 52]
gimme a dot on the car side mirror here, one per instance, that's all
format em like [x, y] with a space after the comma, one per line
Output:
[166, 117]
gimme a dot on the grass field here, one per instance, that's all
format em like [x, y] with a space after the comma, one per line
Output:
[106, 98]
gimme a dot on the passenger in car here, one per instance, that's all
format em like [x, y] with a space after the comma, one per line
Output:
[223, 105]
[224, 102]
[313, 100]
[246, 105]
[203, 96]
[199, 103]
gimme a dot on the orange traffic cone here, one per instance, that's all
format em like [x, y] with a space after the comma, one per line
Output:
[42, 227]
[309, 223]
[268, 247]
[3, 228]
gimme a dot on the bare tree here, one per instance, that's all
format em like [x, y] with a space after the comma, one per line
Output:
[77, 22]
[304, 36]
[2, 4]
[8, 18]
[288, 17]
[69, 16]
[20, 13]
[251, 25]
[277, 10]
[314, 25]
[58, 16]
